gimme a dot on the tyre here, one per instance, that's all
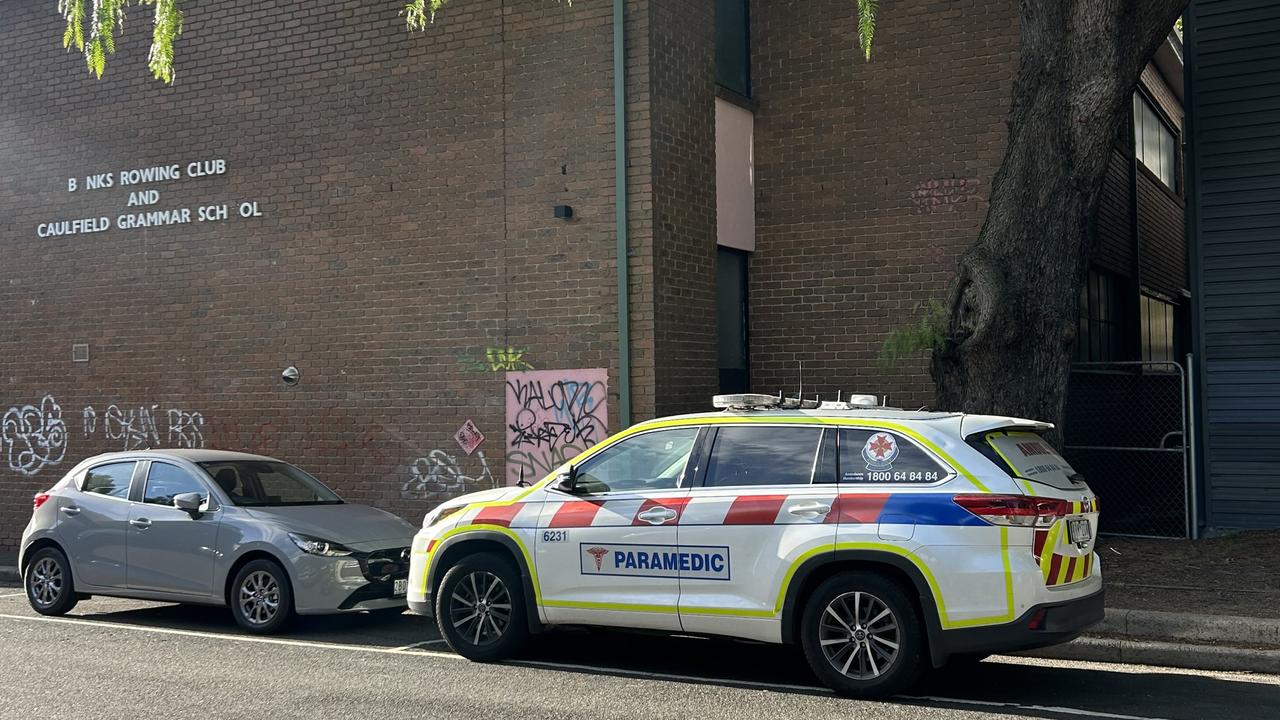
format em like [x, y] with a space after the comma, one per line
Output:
[261, 597]
[480, 608]
[862, 635]
[48, 583]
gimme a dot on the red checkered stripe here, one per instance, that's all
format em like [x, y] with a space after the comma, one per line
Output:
[718, 510]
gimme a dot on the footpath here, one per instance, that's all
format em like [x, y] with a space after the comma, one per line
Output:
[1204, 605]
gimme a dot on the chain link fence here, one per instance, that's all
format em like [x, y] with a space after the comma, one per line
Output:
[1126, 433]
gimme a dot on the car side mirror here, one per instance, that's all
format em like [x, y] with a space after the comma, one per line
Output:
[190, 502]
[568, 482]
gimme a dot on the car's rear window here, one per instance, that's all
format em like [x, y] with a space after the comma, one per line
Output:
[1032, 457]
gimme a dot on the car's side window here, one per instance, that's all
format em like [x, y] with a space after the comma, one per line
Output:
[880, 456]
[164, 481]
[649, 461]
[111, 480]
[763, 455]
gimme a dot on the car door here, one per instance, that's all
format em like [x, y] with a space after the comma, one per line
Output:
[170, 550]
[766, 500]
[94, 517]
[607, 553]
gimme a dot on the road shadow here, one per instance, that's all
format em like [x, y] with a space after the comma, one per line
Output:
[375, 629]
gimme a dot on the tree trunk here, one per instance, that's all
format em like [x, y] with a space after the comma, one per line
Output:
[1014, 303]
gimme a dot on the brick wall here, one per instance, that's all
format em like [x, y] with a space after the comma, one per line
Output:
[406, 184]
[684, 204]
[871, 179]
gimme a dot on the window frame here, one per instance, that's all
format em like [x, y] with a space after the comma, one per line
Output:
[1140, 94]
[695, 452]
[211, 503]
[133, 478]
[709, 445]
[949, 472]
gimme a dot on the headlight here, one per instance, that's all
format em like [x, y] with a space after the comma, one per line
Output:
[316, 546]
[440, 514]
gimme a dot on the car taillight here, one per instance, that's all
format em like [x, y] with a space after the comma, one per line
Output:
[1015, 510]
[40, 499]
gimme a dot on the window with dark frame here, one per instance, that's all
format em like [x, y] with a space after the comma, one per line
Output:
[1154, 142]
[1101, 336]
[1157, 329]
[731, 320]
[733, 46]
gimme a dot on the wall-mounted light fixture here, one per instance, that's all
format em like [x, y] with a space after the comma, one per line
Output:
[290, 376]
[564, 212]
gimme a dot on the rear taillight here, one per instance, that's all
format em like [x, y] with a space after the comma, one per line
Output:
[1015, 510]
[40, 499]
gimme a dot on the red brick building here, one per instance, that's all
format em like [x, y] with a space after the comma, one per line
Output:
[384, 211]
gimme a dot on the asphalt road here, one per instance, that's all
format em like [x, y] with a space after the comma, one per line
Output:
[120, 658]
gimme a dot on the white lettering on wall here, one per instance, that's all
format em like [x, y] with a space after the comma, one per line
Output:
[214, 212]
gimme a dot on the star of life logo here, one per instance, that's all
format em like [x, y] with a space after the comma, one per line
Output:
[598, 553]
[880, 450]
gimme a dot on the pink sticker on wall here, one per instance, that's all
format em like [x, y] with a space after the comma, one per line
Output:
[552, 416]
[468, 437]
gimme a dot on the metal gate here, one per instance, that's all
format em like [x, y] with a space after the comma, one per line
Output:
[1126, 433]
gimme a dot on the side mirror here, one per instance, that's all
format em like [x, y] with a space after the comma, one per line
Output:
[190, 502]
[568, 482]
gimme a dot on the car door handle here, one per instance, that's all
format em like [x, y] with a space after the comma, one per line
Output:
[70, 510]
[140, 523]
[810, 509]
[657, 516]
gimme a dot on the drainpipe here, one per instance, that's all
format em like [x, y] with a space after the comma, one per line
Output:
[620, 219]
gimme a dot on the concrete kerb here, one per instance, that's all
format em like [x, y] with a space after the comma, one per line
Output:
[1181, 640]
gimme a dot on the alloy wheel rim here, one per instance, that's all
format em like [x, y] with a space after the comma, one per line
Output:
[859, 635]
[480, 608]
[46, 582]
[259, 597]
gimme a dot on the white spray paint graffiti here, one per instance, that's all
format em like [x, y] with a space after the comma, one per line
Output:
[34, 438]
[439, 473]
[136, 428]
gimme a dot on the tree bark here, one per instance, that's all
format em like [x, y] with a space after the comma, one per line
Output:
[1014, 303]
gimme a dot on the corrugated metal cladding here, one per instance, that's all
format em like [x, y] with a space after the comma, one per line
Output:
[1233, 58]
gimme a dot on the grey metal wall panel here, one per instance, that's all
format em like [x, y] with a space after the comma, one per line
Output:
[1233, 65]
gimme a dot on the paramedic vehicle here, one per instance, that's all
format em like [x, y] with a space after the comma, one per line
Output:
[882, 542]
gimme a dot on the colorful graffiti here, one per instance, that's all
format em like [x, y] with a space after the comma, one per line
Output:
[552, 415]
[496, 359]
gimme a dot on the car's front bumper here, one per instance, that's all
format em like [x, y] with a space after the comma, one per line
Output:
[1040, 626]
[325, 585]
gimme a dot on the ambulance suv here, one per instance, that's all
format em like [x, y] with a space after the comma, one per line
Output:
[883, 542]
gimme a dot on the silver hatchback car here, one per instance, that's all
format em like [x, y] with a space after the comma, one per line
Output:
[213, 528]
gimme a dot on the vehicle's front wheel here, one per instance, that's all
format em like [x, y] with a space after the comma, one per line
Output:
[48, 583]
[480, 608]
[261, 597]
[862, 636]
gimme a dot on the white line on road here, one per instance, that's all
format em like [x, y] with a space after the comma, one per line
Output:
[544, 665]
[1039, 708]
[410, 646]
[235, 638]
[21, 594]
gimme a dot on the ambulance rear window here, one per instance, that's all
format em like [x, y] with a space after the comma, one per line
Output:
[1027, 455]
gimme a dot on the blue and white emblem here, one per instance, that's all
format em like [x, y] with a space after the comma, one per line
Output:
[879, 452]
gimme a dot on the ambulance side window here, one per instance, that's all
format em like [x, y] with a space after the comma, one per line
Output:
[763, 455]
[649, 461]
[878, 456]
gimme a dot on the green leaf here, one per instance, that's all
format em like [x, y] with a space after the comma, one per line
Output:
[867, 25]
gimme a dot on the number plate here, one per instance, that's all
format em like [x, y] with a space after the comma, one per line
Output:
[400, 588]
[1078, 531]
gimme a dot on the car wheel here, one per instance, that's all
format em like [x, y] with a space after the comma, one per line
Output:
[480, 608]
[261, 597]
[48, 583]
[862, 636]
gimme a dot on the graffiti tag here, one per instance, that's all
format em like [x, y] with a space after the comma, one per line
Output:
[34, 438]
[553, 415]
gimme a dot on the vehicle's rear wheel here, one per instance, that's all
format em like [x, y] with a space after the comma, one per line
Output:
[48, 583]
[862, 636]
[480, 608]
[261, 597]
